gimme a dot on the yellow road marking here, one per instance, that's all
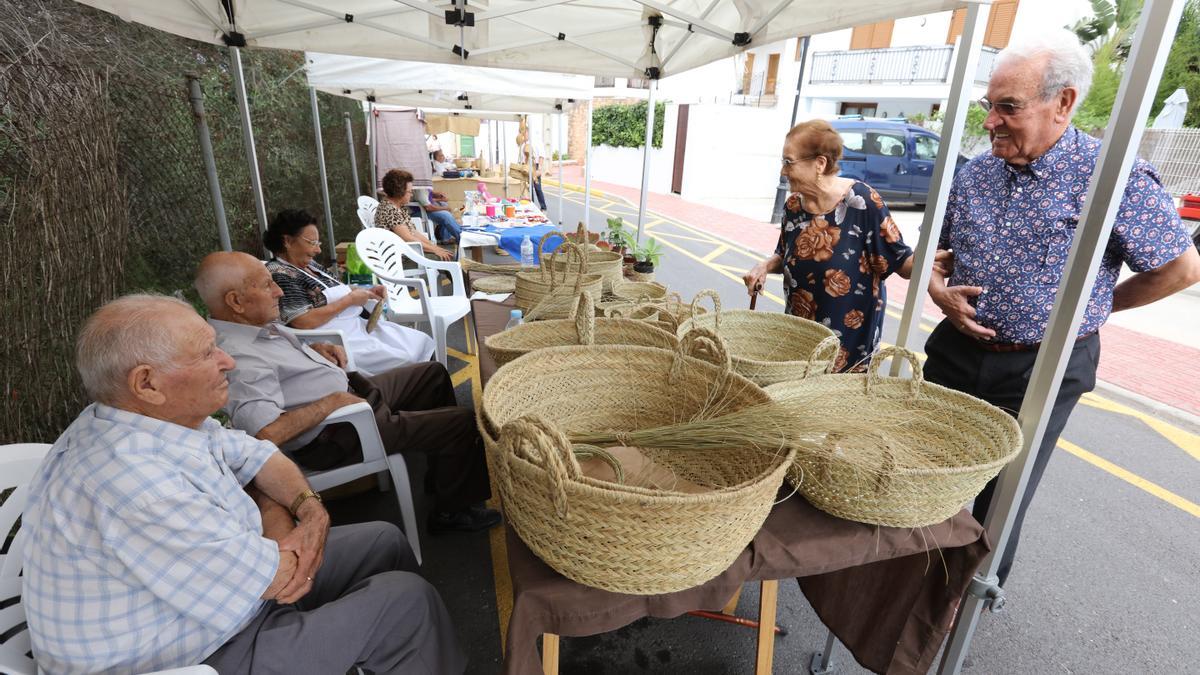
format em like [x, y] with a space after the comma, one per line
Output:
[683, 237]
[1132, 478]
[714, 253]
[1190, 443]
[735, 277]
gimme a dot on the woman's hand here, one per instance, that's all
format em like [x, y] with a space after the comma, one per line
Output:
[360, 296]
[755, 278]
[379, 292]
[442, 254]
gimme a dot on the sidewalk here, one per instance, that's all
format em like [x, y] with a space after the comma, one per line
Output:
[1163, 368]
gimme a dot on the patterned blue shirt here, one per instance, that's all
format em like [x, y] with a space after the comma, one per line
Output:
[143, 550]
[1011, 229]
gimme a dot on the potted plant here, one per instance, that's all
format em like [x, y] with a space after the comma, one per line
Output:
[647, 257]
[617, 236]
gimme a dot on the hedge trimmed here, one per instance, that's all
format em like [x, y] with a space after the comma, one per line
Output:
[624, 125]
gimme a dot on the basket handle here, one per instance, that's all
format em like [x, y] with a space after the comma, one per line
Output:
[585, 319]
[703, 344]
[541, 249]
[826, 349]
[873, 376]
[663, 315]
[535, 441]
[716, 300]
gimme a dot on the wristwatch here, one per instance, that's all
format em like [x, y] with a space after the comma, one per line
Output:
[300, 498]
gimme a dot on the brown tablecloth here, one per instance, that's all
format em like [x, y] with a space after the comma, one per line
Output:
[888, 594]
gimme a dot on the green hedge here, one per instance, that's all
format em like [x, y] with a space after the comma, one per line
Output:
[624, 125]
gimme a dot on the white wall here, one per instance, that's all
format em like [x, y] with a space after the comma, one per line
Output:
[732, 155]
[623, 166]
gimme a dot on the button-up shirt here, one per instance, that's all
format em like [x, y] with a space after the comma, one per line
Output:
[275, 372]
[144, 552]
[1011, 229]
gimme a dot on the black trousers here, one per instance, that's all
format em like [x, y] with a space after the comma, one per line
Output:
[416, 411]
[1000, 378]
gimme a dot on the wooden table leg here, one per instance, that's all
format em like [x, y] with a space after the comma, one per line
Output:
[731, 606]
[549, 654]
[477, 253]
[766, 627]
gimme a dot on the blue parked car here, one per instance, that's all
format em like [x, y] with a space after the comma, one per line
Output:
[894, 157]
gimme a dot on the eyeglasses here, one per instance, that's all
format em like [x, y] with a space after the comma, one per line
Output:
[789, 162]
[1006, 109]
[312, 242]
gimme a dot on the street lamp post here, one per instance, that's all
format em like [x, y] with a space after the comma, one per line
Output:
[782, 189]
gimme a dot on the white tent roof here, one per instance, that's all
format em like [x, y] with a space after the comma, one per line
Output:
[438, 85]
[596, 37]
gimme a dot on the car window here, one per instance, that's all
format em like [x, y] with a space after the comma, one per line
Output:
[852, 140]
[926, 147]
[888, 145]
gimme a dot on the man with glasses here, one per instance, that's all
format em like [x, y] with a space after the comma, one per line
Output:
[1010, 221]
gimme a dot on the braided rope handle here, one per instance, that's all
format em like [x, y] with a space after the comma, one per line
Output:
[585, 319]
[874, 378]
[716, 300]
[703, 344]
[541, 250]
[537, 442]
[826, 349]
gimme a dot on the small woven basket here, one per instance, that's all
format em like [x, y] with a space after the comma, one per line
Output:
[582, 236]
[654, 314]
[550, 292]
[605, 263]
[639, 291]
[616, 537]
[583, 329]
[495, 284]
[963, 443]
[766, 347]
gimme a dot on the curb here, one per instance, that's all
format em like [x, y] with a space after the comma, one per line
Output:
[574, 188]
[1164, 411]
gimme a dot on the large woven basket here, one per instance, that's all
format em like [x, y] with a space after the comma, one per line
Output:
[583, 329]
[550, 293]
[766, 347]
[605, 263]
[639, 291]
[963, 443]
[625, 538]
[654, 314]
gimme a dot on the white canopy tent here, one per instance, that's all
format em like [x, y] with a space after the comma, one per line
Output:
[487, 93]
[615, 37]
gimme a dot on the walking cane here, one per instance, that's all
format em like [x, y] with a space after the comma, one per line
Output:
[754, 296]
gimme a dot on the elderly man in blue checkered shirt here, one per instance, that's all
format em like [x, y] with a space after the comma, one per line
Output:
[158, 539]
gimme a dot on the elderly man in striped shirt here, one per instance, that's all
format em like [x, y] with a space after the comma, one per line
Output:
[158, 539]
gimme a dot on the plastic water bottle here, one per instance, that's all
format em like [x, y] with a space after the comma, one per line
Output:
[514, 318]
[527, 260]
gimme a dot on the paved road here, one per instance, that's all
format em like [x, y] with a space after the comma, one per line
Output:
[1102, 579]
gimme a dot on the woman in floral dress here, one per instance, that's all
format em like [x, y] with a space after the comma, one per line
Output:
[836, 246]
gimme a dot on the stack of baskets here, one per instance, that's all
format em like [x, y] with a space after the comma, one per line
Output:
[947, 448]
[624, 538]
[550, 291]
[605, 263]
[583, 329]
[766, 347]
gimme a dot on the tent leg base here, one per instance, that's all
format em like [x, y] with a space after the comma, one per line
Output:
[988, 589]
[822, 662]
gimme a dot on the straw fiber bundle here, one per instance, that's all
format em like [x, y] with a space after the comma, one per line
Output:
[471, 266]
[583, 329]
[620, 537]
[550, 292]
[605, 263]
[766, 347]
[931, 449]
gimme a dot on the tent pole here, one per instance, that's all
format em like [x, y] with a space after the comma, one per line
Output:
[1143, 70]
[239, 90]
[965, 65]
[371, 149]
[210, 163]
[587, 170]
[353, 158]
[646, 159]
[504, 150]
[316, 115]
[560, 169]
[529, 156]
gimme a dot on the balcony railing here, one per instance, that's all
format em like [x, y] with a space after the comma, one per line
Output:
[897, 65]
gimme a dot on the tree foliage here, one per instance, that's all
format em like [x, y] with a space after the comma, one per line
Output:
[1183, 66]
[624, 125]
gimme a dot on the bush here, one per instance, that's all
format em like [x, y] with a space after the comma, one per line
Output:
[624, 125]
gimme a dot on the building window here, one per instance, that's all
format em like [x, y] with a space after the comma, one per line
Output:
[772, 74]
[864, 109]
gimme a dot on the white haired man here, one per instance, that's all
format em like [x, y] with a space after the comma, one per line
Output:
[1010, 221]
[159, 539]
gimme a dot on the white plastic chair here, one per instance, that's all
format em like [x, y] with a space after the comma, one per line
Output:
[18, 464]
[366, 216]
[375, 460]
[384, 253]
[337, 337]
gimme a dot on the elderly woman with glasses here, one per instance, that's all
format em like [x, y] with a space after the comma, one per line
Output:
[836, 246]
[312, 298]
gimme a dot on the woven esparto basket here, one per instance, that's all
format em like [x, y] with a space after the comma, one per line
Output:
[552, 292]
[583, 329]
[639, 291]
[625, 538]
[496, 283]
[582, 236]
[654, 314]
[963, 443]
[605, 263]
[766, 347]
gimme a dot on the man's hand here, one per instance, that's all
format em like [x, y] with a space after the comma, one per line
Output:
[284, 575]
[953, 301]
[307, 544]
[943, 263]
[333, 353]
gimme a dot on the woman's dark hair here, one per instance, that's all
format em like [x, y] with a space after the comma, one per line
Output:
[395, 182]
[288, 222]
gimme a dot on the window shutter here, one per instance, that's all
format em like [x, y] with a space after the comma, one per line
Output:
[860, 37]
[1000, 23]
[881, 37]
[956, 25]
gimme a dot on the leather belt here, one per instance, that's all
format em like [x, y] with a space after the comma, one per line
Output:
[1017, 346]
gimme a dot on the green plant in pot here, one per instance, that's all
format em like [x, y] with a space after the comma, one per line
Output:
[647, 256]
[617, 236]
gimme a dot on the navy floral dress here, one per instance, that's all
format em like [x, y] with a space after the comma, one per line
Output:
[834, 266]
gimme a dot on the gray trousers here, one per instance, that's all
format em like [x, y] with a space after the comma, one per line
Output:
[367, 608]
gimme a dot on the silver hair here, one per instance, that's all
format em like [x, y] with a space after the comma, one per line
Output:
[123, 334]
[1067, 61]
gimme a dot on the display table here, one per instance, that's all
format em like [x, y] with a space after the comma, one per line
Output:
[888, 594]
[455, 188]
